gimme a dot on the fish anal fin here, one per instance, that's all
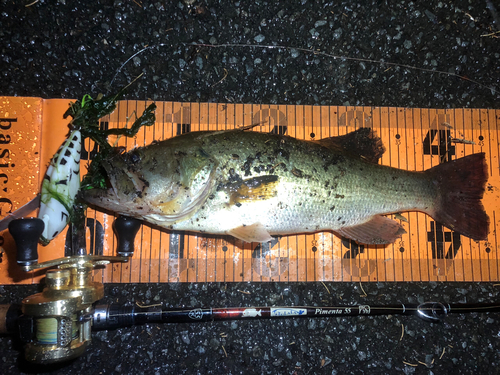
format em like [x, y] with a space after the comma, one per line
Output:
[363, 142]
[251, 233]
[380, 230]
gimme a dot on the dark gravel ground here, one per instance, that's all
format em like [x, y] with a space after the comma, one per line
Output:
[69, 48]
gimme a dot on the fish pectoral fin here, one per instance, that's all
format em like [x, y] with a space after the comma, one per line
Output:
[379, 230]
[251, 233]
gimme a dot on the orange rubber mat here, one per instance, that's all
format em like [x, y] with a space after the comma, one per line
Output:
[32, 129]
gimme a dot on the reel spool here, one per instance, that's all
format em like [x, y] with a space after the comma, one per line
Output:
[55, 325]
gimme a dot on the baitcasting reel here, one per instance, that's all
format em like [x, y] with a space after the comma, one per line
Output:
[55, 325]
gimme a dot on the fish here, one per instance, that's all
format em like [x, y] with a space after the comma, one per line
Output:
[253, 186]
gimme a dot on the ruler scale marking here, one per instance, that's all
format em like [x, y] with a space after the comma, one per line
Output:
[415, 245]
[489, 157]
[469, 122]
[458, 255]
[462, 122]
[495, 249]
[408, 142]
[479, 122]
[497, 172]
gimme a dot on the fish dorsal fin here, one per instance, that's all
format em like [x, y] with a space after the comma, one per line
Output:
[363, 142]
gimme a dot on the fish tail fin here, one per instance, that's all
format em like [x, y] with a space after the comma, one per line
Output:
[460, 186]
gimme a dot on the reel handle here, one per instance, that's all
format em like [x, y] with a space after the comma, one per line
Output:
[126, 229]
[26, 233]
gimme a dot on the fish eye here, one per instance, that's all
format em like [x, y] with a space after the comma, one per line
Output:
[134, 158]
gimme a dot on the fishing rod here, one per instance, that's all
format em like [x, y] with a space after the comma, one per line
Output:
[46, 335]
[56, 325]
[115, 316]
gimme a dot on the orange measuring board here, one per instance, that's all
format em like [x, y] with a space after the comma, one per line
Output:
[32, 129]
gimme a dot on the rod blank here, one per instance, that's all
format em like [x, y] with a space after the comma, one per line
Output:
[114, 316]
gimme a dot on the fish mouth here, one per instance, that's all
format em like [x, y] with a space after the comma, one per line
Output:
[105, 198]
[109, 200]
[123, 192]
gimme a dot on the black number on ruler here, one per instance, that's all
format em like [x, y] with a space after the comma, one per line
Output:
[444, 148]
[86, 155]
[176, 245]
[438, 236]
[262, 249]
[281, 130]
[354, 248]
[274, 115]
[96, 238]
[263, 261]
[1, 248]
[183, 128]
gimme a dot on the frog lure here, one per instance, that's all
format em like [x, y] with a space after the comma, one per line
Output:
[60, 186]
[61, 182]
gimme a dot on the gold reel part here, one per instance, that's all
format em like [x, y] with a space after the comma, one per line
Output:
[56, 323]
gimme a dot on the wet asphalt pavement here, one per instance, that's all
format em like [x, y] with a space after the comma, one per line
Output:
[55, 49]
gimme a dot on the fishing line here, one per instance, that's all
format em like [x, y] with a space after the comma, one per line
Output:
[313, 52]
[132, 57]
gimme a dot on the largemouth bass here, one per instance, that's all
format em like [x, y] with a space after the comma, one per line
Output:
[255, 185]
